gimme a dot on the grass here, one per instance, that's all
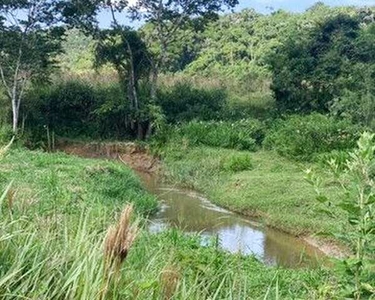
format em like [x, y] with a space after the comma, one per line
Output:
[54, 224]
[273, 188]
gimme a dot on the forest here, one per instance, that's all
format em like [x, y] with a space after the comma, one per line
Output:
[190, 150]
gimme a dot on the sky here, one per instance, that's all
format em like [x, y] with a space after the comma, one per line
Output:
[263, 6]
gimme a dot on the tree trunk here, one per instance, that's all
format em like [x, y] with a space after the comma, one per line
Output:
[140, 133]
[15, 110]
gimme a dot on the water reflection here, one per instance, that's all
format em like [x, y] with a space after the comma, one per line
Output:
[193, 213]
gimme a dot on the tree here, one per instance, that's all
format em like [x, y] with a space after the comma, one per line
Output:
[168, 17]
[29, 40]
[315, 65]
[125, 51]
[119, 46]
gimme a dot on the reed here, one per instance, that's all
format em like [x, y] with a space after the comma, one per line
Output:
[120, 238]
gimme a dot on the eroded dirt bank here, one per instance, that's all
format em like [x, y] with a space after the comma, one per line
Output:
[135, 156]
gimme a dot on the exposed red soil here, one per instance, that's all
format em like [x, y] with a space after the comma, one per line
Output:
[131, 154]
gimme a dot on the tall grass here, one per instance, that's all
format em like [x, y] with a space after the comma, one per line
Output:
[241, 135]
[55, 242]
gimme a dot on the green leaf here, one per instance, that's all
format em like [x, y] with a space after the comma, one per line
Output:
[322, 199]
[371, 199]
[350, 208]
[326, 212]
[368, 287]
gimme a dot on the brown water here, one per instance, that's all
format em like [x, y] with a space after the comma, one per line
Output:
[193, 213]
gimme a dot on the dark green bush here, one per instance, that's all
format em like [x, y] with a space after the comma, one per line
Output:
[183, 103]
[237, 163]
[242, 135]
[77, 108]
[304, 137]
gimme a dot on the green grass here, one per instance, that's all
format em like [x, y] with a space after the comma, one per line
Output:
[52, 227]
[274, 188]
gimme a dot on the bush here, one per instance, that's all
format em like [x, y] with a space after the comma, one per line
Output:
[241, 135]
[183, 103]
[304, 137]
[5, 134]
[339, 158]
[359, 107]
[77, 108]
[237, 163]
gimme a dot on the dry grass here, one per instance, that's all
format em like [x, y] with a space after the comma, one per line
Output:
[169, 279]
[118, 241]
[120, 237]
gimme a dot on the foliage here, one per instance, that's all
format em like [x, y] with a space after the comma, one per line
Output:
[242, 135]
[29, 41]
[6, 134]
[357, 102]
[339, 156]
[304, 137]
[77, 108]
[357, 188]
[237, 163]
[123, 49]
[358, 107]
[311, 69]
[183, 102]
[78, 52]
[55, 226]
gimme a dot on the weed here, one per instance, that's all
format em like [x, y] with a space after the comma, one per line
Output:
[305, 137]
[237, 163]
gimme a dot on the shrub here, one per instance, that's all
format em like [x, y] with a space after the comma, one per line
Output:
[237, 163]
[5, 134]
[359, 107]
[339, 158]
[77, 108]
[242, 135]
[356, 202]
[183, 103]
[304, 137]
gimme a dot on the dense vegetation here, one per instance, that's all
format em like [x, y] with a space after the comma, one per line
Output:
[235, 105]
[53, 226]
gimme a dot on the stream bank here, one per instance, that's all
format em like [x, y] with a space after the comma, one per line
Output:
[149, 168]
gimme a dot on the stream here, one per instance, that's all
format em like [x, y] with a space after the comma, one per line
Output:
[193, 213]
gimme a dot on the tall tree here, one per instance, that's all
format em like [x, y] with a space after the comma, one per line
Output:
[309, 68]
[29, 39]
[125, 51]
[168, 17]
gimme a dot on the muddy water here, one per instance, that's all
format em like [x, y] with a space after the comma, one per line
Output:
[193, 213]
